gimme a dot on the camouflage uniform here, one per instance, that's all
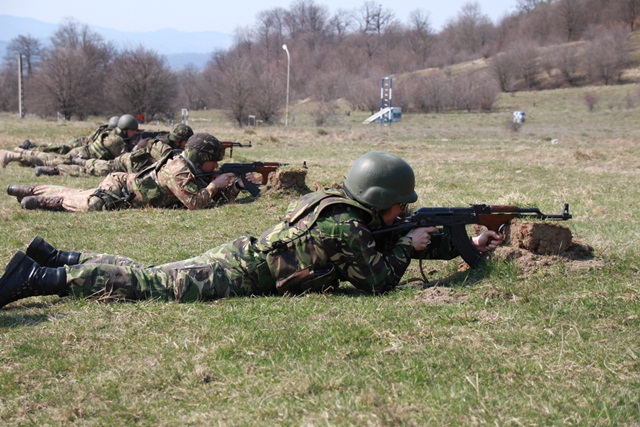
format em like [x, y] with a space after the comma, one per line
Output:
[130, 162]
[171, 181]
[325, 238]
[106, 146]
[78, 141]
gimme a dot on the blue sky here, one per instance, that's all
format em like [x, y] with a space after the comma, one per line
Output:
[219, 16]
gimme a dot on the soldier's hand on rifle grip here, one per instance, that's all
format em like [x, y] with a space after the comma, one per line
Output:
[487, 241]
[249, 176]
[224, 180]
[420, 237]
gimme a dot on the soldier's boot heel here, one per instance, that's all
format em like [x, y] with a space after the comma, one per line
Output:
[47, 255]
[47, 170]
[40, 202]
[24, 278]
[20, 191]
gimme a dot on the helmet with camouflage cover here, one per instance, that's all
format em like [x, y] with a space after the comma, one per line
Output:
[113, 122]
[380, 180]
[127, 122]
[180, 132]
[203, 147]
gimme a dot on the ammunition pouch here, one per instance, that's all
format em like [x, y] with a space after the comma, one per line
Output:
[309, 280]
[113, 201]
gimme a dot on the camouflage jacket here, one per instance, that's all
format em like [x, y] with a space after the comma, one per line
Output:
[107, 146]
[139, 159]
[326, 237]
[172, 181]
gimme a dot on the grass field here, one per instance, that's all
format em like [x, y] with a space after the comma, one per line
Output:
[558, 345]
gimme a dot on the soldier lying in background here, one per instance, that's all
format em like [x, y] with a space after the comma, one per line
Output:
[107, 146]
[75, 142]
[141, 157]
[171, 181]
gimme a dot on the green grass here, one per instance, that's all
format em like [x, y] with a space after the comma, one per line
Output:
[557, 345]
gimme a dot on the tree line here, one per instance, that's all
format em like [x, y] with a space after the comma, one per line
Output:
[543, 44]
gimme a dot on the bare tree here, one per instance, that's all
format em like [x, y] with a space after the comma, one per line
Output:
[420, 35]
[629, 12]
[269, 32]
[73, 70]
[526, 56]
[268, 95]
[233, 85]
[372, 20]
[505, 70]
[140, 82]
[433, 94]
[363, 94]
[528, 6]
[608, 56]
[341, 22]
[308, 21]
[192, 88]
[568, 60]
[570, 15]
[8, 89]
[29, 47]
[473, 91]
[471, 32]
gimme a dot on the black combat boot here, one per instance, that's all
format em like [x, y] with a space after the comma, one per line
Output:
[27, 145]
[79, 161]
[24, 278]
[20, 191]
[46, 255]
[40, 202]
[47, 170]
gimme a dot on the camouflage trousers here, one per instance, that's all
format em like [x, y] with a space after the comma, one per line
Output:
[127, 162]
[78, 141]
[32, 158]
[233, 269]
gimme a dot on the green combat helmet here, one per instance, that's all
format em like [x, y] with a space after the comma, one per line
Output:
[380, 180]
[127, 122]
[203, 147]
[113, 122]
[180, 132]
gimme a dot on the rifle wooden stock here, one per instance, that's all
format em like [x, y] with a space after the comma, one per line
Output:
[453, 221]
[231, 144]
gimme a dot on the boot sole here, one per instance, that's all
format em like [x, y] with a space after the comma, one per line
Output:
[11, 267]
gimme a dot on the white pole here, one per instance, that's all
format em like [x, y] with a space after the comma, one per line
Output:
[20, 88]
[286, 114]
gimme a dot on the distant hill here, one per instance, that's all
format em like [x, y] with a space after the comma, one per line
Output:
[179, 47]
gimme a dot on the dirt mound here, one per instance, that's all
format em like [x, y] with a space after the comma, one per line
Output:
[288, 180]
[534, 245]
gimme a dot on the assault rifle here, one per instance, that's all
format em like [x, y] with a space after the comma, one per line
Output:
[241, 169]
[453, 221]
[148, 134]
[141, 139]
[231, 144]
